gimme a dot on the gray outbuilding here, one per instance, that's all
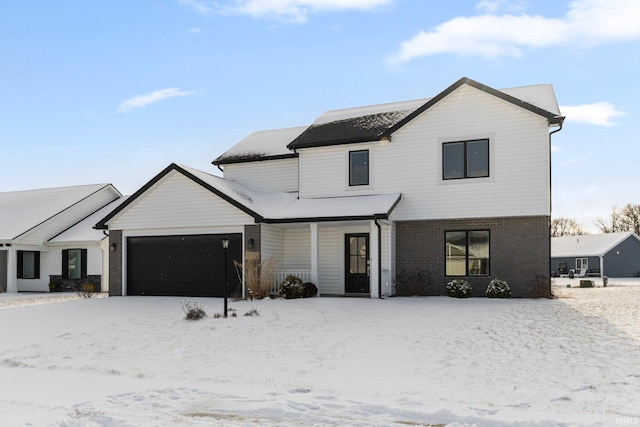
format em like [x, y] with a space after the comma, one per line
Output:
[611, 254]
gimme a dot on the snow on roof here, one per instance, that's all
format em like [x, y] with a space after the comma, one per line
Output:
[83, 231]
[262, 144]
[284, 207]
[405, 107]
[542, 96]
[20, 211]
[370, 123]
[587, 245]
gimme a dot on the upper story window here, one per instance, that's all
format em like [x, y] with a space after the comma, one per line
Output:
[28, 265]
[359, 167]
[465, 159]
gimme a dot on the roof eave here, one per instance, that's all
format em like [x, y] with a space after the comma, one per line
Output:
[336, 218]
[325, 219]
[332, 142]
[227, 161]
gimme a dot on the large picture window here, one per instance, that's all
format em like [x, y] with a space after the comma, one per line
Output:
[28, 265]
[359, 167]
[465, 159]
[467, 253]
[74, 263]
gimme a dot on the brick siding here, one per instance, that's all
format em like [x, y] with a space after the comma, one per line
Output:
[519, 253]
[115, 263]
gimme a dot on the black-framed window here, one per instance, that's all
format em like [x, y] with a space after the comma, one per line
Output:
[28, 265]
[465, 159]
[358, 168]
[467, 253]
[74, 264]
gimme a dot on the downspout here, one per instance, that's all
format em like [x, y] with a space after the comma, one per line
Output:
[298, 158]
[379, 259]
[550, 195]
[221, 170]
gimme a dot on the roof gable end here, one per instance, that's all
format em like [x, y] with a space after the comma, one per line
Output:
[103, 224]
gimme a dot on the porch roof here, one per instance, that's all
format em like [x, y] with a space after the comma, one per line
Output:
[272, 207]
[280, 207]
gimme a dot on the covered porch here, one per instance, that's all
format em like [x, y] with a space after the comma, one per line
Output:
[342, 258]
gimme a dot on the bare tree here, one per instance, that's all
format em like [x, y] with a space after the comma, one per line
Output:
[626, 219]
[562, 226]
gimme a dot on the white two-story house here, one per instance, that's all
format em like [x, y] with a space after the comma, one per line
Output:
[392, 199]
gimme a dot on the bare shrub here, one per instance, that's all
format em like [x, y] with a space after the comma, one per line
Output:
[540, 286]
[259, 277]
[193, 310]
[87, 290]
[252, 312]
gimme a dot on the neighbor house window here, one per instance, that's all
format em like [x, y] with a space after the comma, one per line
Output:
[582, 263]
[74, 263]
[359, 167]
[467, 253]
[28, 265]
[465, 159]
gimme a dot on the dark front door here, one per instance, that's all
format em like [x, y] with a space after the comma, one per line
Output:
[356, 264]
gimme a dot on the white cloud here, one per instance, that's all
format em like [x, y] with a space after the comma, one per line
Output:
[296, 11]
[196, 30]
[599, 113]
[202, 7]
[586, 23]
[149, 98]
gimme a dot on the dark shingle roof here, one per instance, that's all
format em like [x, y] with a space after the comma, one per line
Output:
[370, 127]
[381, 124]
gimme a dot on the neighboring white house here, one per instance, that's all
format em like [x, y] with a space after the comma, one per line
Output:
[610, 254]
[43, 237]
[392, 199]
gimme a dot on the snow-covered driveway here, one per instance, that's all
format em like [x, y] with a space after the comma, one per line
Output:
[134, 361]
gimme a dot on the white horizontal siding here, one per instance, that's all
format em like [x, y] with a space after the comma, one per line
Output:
[178, 202]
[272, 243]
[68, 217]
[297, 248]
[266, 175]
[331, 262]
[411, 163]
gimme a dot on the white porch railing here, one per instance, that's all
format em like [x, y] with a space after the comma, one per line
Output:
[303, 273]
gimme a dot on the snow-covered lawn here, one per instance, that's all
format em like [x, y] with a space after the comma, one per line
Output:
[134, 361]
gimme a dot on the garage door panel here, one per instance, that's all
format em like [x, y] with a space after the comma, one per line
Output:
[190, 265]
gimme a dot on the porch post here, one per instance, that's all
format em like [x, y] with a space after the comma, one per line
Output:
[374, 278]
[314, 255]
[12, 281]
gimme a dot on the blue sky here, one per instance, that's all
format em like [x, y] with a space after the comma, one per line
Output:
[114, 91]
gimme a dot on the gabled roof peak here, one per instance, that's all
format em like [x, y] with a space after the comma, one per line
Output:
[362, 124]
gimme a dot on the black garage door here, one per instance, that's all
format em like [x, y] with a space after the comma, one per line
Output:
[190, 265]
